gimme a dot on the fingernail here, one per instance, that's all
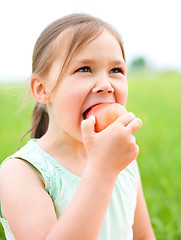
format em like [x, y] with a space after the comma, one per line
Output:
[92, 117]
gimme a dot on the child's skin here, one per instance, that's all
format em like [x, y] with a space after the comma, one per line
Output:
[90, 78]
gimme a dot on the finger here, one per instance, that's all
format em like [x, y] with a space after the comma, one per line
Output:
[126, 118]
[87, 126]
[134, 125]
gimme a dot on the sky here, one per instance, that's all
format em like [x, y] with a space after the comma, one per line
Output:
[151, 29]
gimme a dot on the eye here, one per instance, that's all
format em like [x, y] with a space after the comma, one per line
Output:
[116, 70]
[84, 69]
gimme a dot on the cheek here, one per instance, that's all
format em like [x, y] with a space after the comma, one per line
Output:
[71, 104]
[121, 93]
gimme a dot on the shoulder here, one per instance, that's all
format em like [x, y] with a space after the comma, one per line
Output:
[19, 172]
[22, 194]
[16, 166]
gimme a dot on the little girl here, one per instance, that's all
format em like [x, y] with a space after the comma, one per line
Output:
[69, 182]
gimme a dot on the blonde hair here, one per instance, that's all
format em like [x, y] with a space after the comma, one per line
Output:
[84, 28]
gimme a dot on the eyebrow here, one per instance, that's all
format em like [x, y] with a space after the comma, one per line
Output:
[119, 62]
[83, 61]
[92, 61]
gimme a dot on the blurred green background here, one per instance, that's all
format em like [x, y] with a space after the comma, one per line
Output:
[154, 97]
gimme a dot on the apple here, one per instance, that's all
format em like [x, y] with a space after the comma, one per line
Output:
[105, 114]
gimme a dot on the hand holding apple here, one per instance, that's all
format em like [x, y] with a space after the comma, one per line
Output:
[111, 150]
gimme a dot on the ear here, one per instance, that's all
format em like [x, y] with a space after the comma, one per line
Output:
[39, 90]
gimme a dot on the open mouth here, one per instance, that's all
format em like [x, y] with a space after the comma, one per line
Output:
[86, 112]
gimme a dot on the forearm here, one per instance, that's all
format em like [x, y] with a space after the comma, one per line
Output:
[85, 214]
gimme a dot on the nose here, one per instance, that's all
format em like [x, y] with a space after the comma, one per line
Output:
[103, 86]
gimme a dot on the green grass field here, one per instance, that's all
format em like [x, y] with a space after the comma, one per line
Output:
[156, 99]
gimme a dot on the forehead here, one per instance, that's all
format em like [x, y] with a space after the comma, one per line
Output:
[104, 45]
[70, 43]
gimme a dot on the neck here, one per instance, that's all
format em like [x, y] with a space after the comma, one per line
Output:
[65, 149]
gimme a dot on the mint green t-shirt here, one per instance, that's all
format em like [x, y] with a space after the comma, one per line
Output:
[61, 185]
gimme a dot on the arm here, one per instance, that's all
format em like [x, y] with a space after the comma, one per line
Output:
[29, 209]
[24, 201]
[142, 229]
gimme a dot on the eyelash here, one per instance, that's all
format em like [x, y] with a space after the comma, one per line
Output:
[116, 70]
[88, 69]
[82, 69]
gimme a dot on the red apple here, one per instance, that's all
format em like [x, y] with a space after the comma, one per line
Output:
[105, 114]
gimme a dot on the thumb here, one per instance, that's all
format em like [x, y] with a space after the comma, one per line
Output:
[87, 127]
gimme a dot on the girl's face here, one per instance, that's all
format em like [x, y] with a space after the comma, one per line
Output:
[96, 74]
